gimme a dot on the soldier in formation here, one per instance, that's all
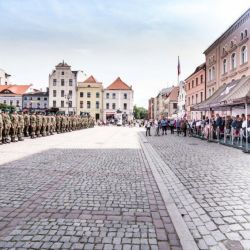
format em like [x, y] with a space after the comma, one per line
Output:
[15, 126]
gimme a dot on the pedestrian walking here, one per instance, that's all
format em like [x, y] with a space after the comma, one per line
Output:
[148, 128]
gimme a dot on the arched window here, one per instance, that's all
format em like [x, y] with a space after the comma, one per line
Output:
[209, 74]
[241, 36]
[245, 32]
[224, 66]
[232, 44]
[233, 61]
[244, 54]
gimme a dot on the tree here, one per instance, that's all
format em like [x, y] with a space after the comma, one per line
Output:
[140, 112]
[7, 107]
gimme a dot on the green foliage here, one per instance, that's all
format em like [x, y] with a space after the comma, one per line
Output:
[140, 112]
[7, 107]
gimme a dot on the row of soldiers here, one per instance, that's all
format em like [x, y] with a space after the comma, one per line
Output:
[14, 126]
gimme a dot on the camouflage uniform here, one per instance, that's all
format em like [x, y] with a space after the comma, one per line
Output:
[48, 125]
[1, 128]
[14, 126]
[53, 121]
[58, 123]
[26, 124]
[44, 126]
[33, 118]
[6, 127]
[20, 127]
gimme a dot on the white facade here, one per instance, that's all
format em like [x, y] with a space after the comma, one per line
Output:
[181, 100]
[4, 78]
[62, 88]
[114, 100]
[38, 101]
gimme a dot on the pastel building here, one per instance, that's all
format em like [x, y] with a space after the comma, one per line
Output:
[227, 59]
[181, 100]
[195, 86]
[90, 98]
[118, 97]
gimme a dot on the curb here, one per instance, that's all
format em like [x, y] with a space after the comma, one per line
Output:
[186, 239]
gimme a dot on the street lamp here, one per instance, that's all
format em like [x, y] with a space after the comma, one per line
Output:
[68, 97]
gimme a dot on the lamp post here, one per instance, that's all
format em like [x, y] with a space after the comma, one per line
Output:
[68, 97]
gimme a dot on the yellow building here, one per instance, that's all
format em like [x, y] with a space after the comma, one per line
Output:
[89, 98]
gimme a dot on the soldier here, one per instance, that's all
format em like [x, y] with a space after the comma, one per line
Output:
[1, 127]
[38, 124]
[53, 123]
[26, 124]
[44, 125]
[58, 123]
[33, 118]
[6, 126]
[20, 127]
[14, 126]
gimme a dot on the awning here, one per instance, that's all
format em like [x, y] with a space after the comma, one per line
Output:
[235, 93]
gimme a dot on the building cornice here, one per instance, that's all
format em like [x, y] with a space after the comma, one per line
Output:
[240, 21]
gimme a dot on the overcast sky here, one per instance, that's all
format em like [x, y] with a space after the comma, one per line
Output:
[138, 40]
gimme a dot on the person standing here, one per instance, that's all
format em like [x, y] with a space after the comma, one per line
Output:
[164, 126]
[1, 127]
[148, 128]
[178, 127]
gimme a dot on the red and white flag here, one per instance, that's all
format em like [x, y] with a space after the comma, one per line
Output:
[179, 67]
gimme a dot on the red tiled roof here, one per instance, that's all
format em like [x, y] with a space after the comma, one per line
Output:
[15, 89]
[173, 96]
[91, 79]
[118, 84]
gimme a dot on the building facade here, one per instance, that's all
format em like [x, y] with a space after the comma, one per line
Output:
[227, 59]
[90, 98]
[151, 108]
[37, 100]
[118, 97]
[181, 100]
[195, 86]
[171, 103]
[12, 94]
[4, 78]
[62, 88]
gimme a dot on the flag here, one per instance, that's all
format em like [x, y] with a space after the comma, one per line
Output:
[179, 67]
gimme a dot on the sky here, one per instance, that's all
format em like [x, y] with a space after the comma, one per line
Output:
[138, 40]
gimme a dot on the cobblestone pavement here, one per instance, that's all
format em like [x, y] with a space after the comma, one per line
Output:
[210, 185]
[72, 193]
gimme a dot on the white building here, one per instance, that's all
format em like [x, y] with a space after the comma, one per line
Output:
[37, 100]
[181, 100]
[4, 78]
[62, 88]
[118, 99]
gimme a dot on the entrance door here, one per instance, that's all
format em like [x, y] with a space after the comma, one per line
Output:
[97, 117]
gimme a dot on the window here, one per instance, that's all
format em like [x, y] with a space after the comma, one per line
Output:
[45, 98]
[97, 105]
[113, 95]
[54, 104]
[38, 98]
[223, 51]
[11, 102]
[54, 93]
[45, 105]
[192, 99]
[245, 33]
[70, 93]
[62, 82]
[125, 106]
[70, 82]
[201, 78]
[17, 103]
[62, 73]
[88, 94]
[196, 81]
[62, 93]
[188, 101]
[70, 104]
[54, 82]
[224, 66]
[88, 105]
[232, 44]
[241, 36]
[62, 104]
[210, 75]
[30, 105]
[113, 105]
[213, 73]
[107, 95]
[81, 104]
[201, 96]
[81, 94]
[196, 98]
[97, 95]
[243, 54]
[38, 105]
[31, 98]
[175, 105]
[192, 83]
[212, 90]
[25, 98]
[107, 105]
[125, 96]
[4, 101]
[233, 61]
[189, 85]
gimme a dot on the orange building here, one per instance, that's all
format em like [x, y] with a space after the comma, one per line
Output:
[195, 91]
